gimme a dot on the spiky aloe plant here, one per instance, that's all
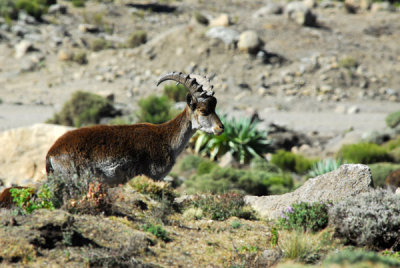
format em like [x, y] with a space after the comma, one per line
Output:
[241, 137]
[325, 166]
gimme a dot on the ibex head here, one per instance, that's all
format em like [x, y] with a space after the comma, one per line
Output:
[201, 101]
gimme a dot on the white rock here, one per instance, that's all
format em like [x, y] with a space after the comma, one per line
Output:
[302, 15]
[222, 20]
[23, 152]
[22, 48]
[249, 42]
[228, 36]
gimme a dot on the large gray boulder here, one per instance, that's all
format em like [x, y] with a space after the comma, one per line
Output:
[348, 180]
[23, 153]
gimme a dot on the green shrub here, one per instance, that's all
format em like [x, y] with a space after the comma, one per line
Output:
[78, 3]
[158, 231]
[261, 164]
[255, 182]
[154, 109]
[190, 163]
[200, 18]
[84, 108]
[221, 207]
[9, 9]
[393, 143]
[369, 219]
[100, 44]
[393, 119]
[325, 166]
[364, 153]
[357, 257]
[175, 92]
[159, 190]
[80, 57]
[380, 171]
[290, 161]
[395, 155]
[27, 203]
[206, 167]
[348, 63]
[241, 138]
[309, 217]
[136, 39]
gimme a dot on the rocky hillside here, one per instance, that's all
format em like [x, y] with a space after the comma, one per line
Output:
[322, 67]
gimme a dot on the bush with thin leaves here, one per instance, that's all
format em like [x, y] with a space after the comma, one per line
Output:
[221, 207]
[325, 166]
[370, 220]
[241, 138]
[364, 153]
[393, 119]
[84, 108]
[306, 216]
[175, 92]
[347, 257]
[290, 161]
[156, 110]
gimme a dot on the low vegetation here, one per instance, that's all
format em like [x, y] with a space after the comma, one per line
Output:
[241, 138]
[393, 119]
[324, 166]
[156, 110]
[10, 9]
[84, 109]
[291, 162]
[136, 39]
[364, 153]
[369, 220]
[175, 92]
[305, 216]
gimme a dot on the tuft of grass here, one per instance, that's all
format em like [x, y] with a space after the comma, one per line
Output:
[364, 153]
[156, 110]
[200, 18]
[290, 161]
[380, 171]
[136, 39]
[221, 207]
[348, 62]
[100, 44]
[158, 231]
[175, 92]
[159, 190]
[78, 3]
[80, 57]
[393, 119]
[359, 257]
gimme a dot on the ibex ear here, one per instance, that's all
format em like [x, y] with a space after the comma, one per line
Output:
[191, 101]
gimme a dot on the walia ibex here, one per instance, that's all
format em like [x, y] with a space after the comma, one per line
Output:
[115, 154]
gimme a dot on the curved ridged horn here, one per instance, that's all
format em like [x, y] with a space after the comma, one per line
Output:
[195, 83]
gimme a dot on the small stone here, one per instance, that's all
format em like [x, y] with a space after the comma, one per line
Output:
[301, 14]
[270, 9]
[381, 6]
[57, 8]
[353, 110]
[249, 42]
[88, 28]
[65, 55]
[223, 21]
[227, 160]
[22, 48]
